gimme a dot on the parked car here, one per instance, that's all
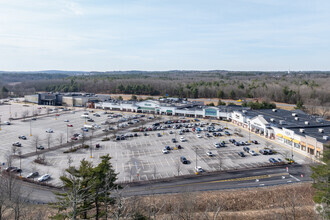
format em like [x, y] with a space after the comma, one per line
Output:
[40, 147]
[174, 140]
[272, 160]
[269, 151]
[217, 145]
[246, 149]
[67, 120]
[167, 148]
[263, 151]
[22, 137]
[165, 151]
[49, 130]
[44, 177]
[210, 154]
[183, 160]
[199, 169]
[74, 138]
[241, 154]
[199, 136]
[255, 142]
[7, 123]
[17, 144]
[159, 135]
[90, 120]
[252, 152]
[70, 125]
[182, 139]
[32, 175]
[178, 146]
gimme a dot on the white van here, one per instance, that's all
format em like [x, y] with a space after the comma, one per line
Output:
[84, 116]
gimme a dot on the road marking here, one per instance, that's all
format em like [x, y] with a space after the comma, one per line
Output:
[295, 178]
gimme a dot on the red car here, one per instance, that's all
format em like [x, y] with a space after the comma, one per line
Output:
[57, 114]
[70, 125]
[74, 138]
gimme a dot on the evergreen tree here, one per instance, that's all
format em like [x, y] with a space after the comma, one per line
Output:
[321, 176]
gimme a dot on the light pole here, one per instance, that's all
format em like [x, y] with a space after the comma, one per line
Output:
[20, 163]
[196, 159]
[10, 112]
[67, 134]
[0, 122]
[249, 133]
[30, 127]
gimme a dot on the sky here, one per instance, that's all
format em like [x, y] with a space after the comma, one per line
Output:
[110, 35]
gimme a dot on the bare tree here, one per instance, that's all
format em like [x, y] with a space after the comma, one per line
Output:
[60, 138]
[49, 139]
[220, 161]
[24, 114]
[35, 142]
[178, 167]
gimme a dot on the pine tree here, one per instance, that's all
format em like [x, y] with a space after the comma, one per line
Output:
[321, 176]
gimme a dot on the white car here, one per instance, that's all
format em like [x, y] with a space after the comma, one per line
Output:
[199, 169]
[49, 130]
[7, 123]
[199, 136]
[182, 139]
[210, 154]
[217, 145]
[252, 152]
[67, 120]
[43, 178]
[165, 151]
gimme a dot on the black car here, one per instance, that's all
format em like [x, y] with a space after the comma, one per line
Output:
[183, 160]
[90, 120]
[269, 151]
[263, 151]
[241, 154]
[246, 149]
[167, 148]
[179, 146]
[159, 135]
[174, 140]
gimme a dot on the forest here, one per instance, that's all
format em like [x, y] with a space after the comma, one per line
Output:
[310, 88]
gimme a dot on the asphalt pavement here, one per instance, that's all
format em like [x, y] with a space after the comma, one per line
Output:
[259, 177]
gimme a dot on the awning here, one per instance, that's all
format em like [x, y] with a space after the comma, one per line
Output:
[303, 143]
[296, 141]
[311, 146]
[279, 135]
[287, 138]
[318, 149]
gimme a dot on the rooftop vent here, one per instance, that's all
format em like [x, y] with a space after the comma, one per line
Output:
[321, 130]
[244, 111]
[302, 130]
[272, 120]
[326, 138]
[306, 122]
[294, 114]
[282, 122]
[274, 110]
[296, 118]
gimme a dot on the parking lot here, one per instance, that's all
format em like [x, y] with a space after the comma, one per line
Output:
[135, 158]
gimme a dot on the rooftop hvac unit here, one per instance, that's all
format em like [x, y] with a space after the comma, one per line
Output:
[282, 122]
[296, 118]
[244, 111]
[294, 114]
[302, 130]
[321, 130]
[272, 120]
[274, 110]
[306, 122]
[326, 138]
[260, 116]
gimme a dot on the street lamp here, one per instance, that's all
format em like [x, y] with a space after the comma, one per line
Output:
[249, 133]
[0, 122]
[196, 159]
[30, 127]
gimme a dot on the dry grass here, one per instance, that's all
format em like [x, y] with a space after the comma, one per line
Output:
[280, 202]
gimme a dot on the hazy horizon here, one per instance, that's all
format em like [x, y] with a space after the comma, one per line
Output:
[242, 35]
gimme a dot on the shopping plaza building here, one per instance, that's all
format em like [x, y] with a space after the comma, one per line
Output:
[303, 133]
